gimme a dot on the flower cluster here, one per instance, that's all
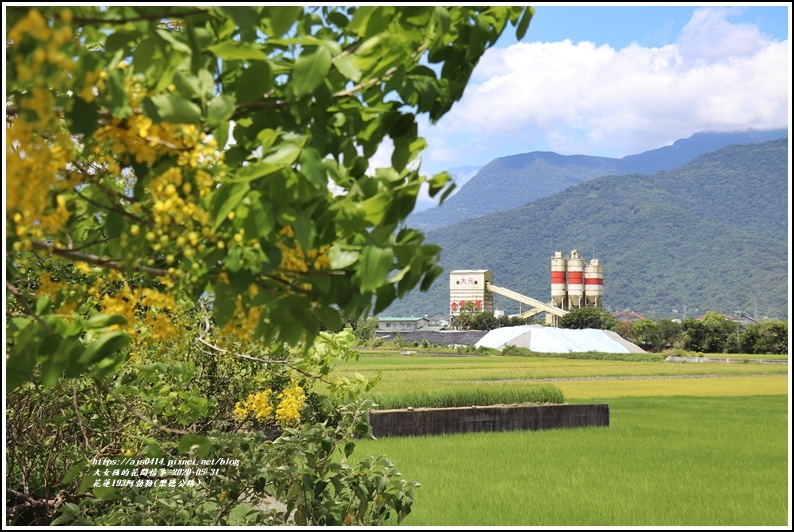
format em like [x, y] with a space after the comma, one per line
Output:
[38, 147]
[259, 405]
[288, 412]
[146, 310]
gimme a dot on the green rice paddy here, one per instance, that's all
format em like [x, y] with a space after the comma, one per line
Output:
[688, 444]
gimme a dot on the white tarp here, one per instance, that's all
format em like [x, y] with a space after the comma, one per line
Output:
[497, 338]
[553, 340]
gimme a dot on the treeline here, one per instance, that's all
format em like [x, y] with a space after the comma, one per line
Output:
[713, 334]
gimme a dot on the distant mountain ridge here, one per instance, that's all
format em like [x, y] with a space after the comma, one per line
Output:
[509, 182]
[711, 235]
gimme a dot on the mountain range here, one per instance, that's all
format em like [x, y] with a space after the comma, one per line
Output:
[709, 235]
[516, 180]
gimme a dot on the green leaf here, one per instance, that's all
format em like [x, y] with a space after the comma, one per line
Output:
[523, 24]
[104, 346]
[349, 448]
[341, 258]
[42, 304]
[75, 470]
[22, 359]
[223, 306]
[244, 51]
[202, 444]
[221, 134]
[106, 494]
[119, 40]
[310, 70]
[246, 17]
[375, 265]
[187, 85]
[375, 208]
[84, 117]
[330, 317]
[305, 232]
[385, 296]
[104, 320]
[282, 18]
[206, 84]
[259, 222]
[225, 199]
[146, 57]
[172, 42]
[172, 109]
[254, 82]
[437, 182]
[220, 110]
[107, 365]
[346, 64]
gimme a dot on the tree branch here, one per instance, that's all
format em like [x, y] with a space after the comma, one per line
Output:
[111, 208]
[114, 264]
[136, 412]
[221, 351]
[22, 301]
[77, 413]
[154, 16]
[51, 504]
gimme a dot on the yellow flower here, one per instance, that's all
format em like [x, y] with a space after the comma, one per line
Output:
[292, 400]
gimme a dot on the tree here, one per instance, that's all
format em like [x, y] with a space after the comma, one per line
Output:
[694, 335]
[589, 318]
[466, 316]
[484, 321]
[365, 330]
[645, 333]
[769, 337]
[190, 201]
[719, 330]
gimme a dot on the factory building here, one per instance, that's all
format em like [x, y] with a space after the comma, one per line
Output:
[574, 284]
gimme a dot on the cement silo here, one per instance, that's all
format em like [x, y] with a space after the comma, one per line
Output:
[575, 280]
[470, 285]
[559, 295]
[594, 284]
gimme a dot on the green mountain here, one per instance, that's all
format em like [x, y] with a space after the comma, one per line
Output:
[711, 235]
[516, 180]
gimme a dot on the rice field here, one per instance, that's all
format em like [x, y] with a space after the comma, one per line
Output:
[415, 374]
[672, 461]
[688, 444]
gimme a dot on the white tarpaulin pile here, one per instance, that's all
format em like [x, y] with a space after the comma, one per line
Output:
[553, 340]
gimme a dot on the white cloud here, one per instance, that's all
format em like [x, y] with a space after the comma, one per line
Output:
[710, 36]
[596, 100]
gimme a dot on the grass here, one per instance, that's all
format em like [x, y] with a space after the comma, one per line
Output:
[741, 357]
[700, 387]
[671, 461]
[407, 374]
[468, 396]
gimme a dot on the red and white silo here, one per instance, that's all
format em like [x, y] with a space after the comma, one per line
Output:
[575, 280]
[594, 284]
[558, 288]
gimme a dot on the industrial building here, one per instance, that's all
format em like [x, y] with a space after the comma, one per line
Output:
[574, 285]
[401, 324]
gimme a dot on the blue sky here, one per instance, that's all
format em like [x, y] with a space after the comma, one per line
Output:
[614, 81]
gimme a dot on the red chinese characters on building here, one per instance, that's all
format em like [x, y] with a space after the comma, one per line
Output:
[454, 306]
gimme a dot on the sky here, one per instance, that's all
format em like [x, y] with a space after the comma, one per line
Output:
[614, 81]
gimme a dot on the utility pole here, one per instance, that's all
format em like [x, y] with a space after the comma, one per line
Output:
[738, 337]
